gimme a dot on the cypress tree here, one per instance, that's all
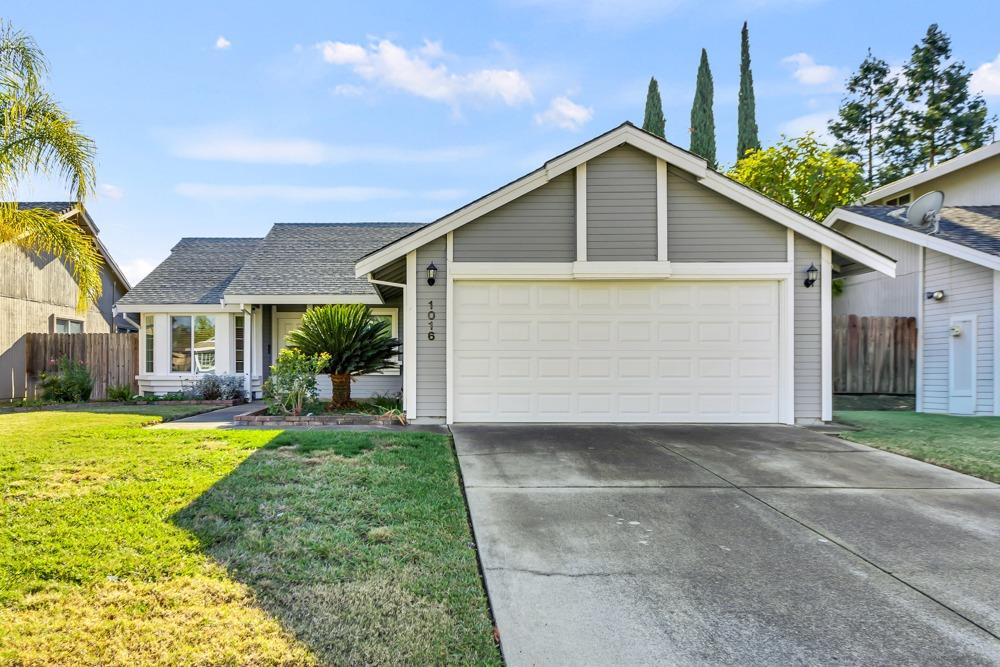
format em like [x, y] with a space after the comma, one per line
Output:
[746, 130]
[702, 116]
[653, 120]
[943, 118]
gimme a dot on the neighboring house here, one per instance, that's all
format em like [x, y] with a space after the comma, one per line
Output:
[958, 363]
[224, 305]
[623, 281]
[38, 294]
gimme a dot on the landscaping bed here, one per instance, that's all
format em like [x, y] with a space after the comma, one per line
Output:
[221, 403]
[253, 547]
[261, 417]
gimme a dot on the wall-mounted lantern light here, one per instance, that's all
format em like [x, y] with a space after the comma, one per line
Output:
[812, 273]
[936, 295]
[431, 273]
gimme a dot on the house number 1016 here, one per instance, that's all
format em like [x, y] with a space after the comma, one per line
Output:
[431, 315]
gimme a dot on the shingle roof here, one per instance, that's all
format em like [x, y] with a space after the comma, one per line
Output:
[976, 227]
[197, 271]
[56, 206]
[314, 258]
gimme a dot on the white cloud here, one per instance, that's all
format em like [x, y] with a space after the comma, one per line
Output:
[295, 193]
[807, 72]
[222, 43]
[413, 72]
[986, 78]
[811, 122]
[348, 90]
[228, 146]
[565, 113]
[136, 269]
[109, 191]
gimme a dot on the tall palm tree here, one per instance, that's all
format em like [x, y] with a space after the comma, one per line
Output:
[38, 138]
[356, 342]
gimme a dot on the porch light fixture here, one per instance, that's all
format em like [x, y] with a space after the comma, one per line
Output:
[936, 295]
[431, 273]
[812, 273]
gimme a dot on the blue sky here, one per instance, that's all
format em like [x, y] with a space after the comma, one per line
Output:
[220, 118]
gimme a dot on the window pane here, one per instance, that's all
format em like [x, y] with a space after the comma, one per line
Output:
[75, 327]
[204, 344]
[238, 328]
[180, 343]
[62, 326]
[149, 345]
[904, 199]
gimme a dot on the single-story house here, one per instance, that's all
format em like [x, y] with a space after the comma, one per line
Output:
[38, 294]
[948, 278]
[622, 281]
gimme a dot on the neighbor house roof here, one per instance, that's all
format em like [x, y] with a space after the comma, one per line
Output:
[969, 232]
[937, 171]
[312, 259]
[197, 271]
[627, 133]
[67, 208]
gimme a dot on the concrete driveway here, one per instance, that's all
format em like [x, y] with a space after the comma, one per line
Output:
[728, 545]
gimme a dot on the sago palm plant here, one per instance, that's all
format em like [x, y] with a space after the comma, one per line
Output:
[356, 343]
[38, 137]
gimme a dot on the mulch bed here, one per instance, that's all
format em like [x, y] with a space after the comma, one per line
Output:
[347, 418]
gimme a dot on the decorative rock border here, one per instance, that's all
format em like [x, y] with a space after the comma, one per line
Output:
[261, 418]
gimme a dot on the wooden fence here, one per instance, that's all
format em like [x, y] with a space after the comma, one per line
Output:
[111, 358]
[874, 355]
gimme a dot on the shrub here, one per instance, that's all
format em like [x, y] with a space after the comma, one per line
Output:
[293, 381]
[70, 383]
[120, 392]
[211, 387]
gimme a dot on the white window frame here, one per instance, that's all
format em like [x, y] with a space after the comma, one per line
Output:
[894, 200]
[56, 319]
[148, 351]
[235, 346]
[393, 314]
[170, 343]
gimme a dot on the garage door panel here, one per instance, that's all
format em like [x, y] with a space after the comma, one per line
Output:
[638, 352]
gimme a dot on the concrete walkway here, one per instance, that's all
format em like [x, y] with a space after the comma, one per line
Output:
[728, 545]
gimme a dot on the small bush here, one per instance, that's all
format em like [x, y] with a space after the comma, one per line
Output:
[292, 383]
[382, 403]
[211, 387]
[71, 383]
[121, 393]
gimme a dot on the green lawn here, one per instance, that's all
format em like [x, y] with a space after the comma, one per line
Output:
[120, 545]
[966, 444]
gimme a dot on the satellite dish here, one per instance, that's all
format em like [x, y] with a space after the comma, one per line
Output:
[925, 212]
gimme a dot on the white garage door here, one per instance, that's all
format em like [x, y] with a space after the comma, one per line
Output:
[616, 351]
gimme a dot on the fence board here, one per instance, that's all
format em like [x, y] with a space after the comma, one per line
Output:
[874, 355]
[111, 358]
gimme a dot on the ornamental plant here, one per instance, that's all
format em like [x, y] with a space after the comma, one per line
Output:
[292, 383]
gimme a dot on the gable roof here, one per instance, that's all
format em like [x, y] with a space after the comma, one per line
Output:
[197, 271]
[937, 171]
[971, 233]
[68, 208]
[627, 133]
[312, 259]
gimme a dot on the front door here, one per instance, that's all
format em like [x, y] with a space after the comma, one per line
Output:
[962, 365]
[286, 324]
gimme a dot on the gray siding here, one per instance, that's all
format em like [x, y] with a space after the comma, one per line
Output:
[873, 294]
[621, 206]
[539, 226]
[431, 358]
[969, 290]
[704, 226]
[808, 349]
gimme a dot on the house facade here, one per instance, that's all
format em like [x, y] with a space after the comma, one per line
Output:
[948, 279]
[38, 294]
[623, 281]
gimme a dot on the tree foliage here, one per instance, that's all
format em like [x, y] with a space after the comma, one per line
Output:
[38, 137]
[653, 120]
[943, 118]
[746, 124]
[702, 115]
[803, 174]
[355, 342]
[868, 117]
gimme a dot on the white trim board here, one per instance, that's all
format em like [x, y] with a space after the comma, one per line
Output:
[826, 332]
[996, 343]
[937, 171]
[620, 270]
[917, 238]
[670, 154]
[184, 308]
[581, 213]
[410, 337]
